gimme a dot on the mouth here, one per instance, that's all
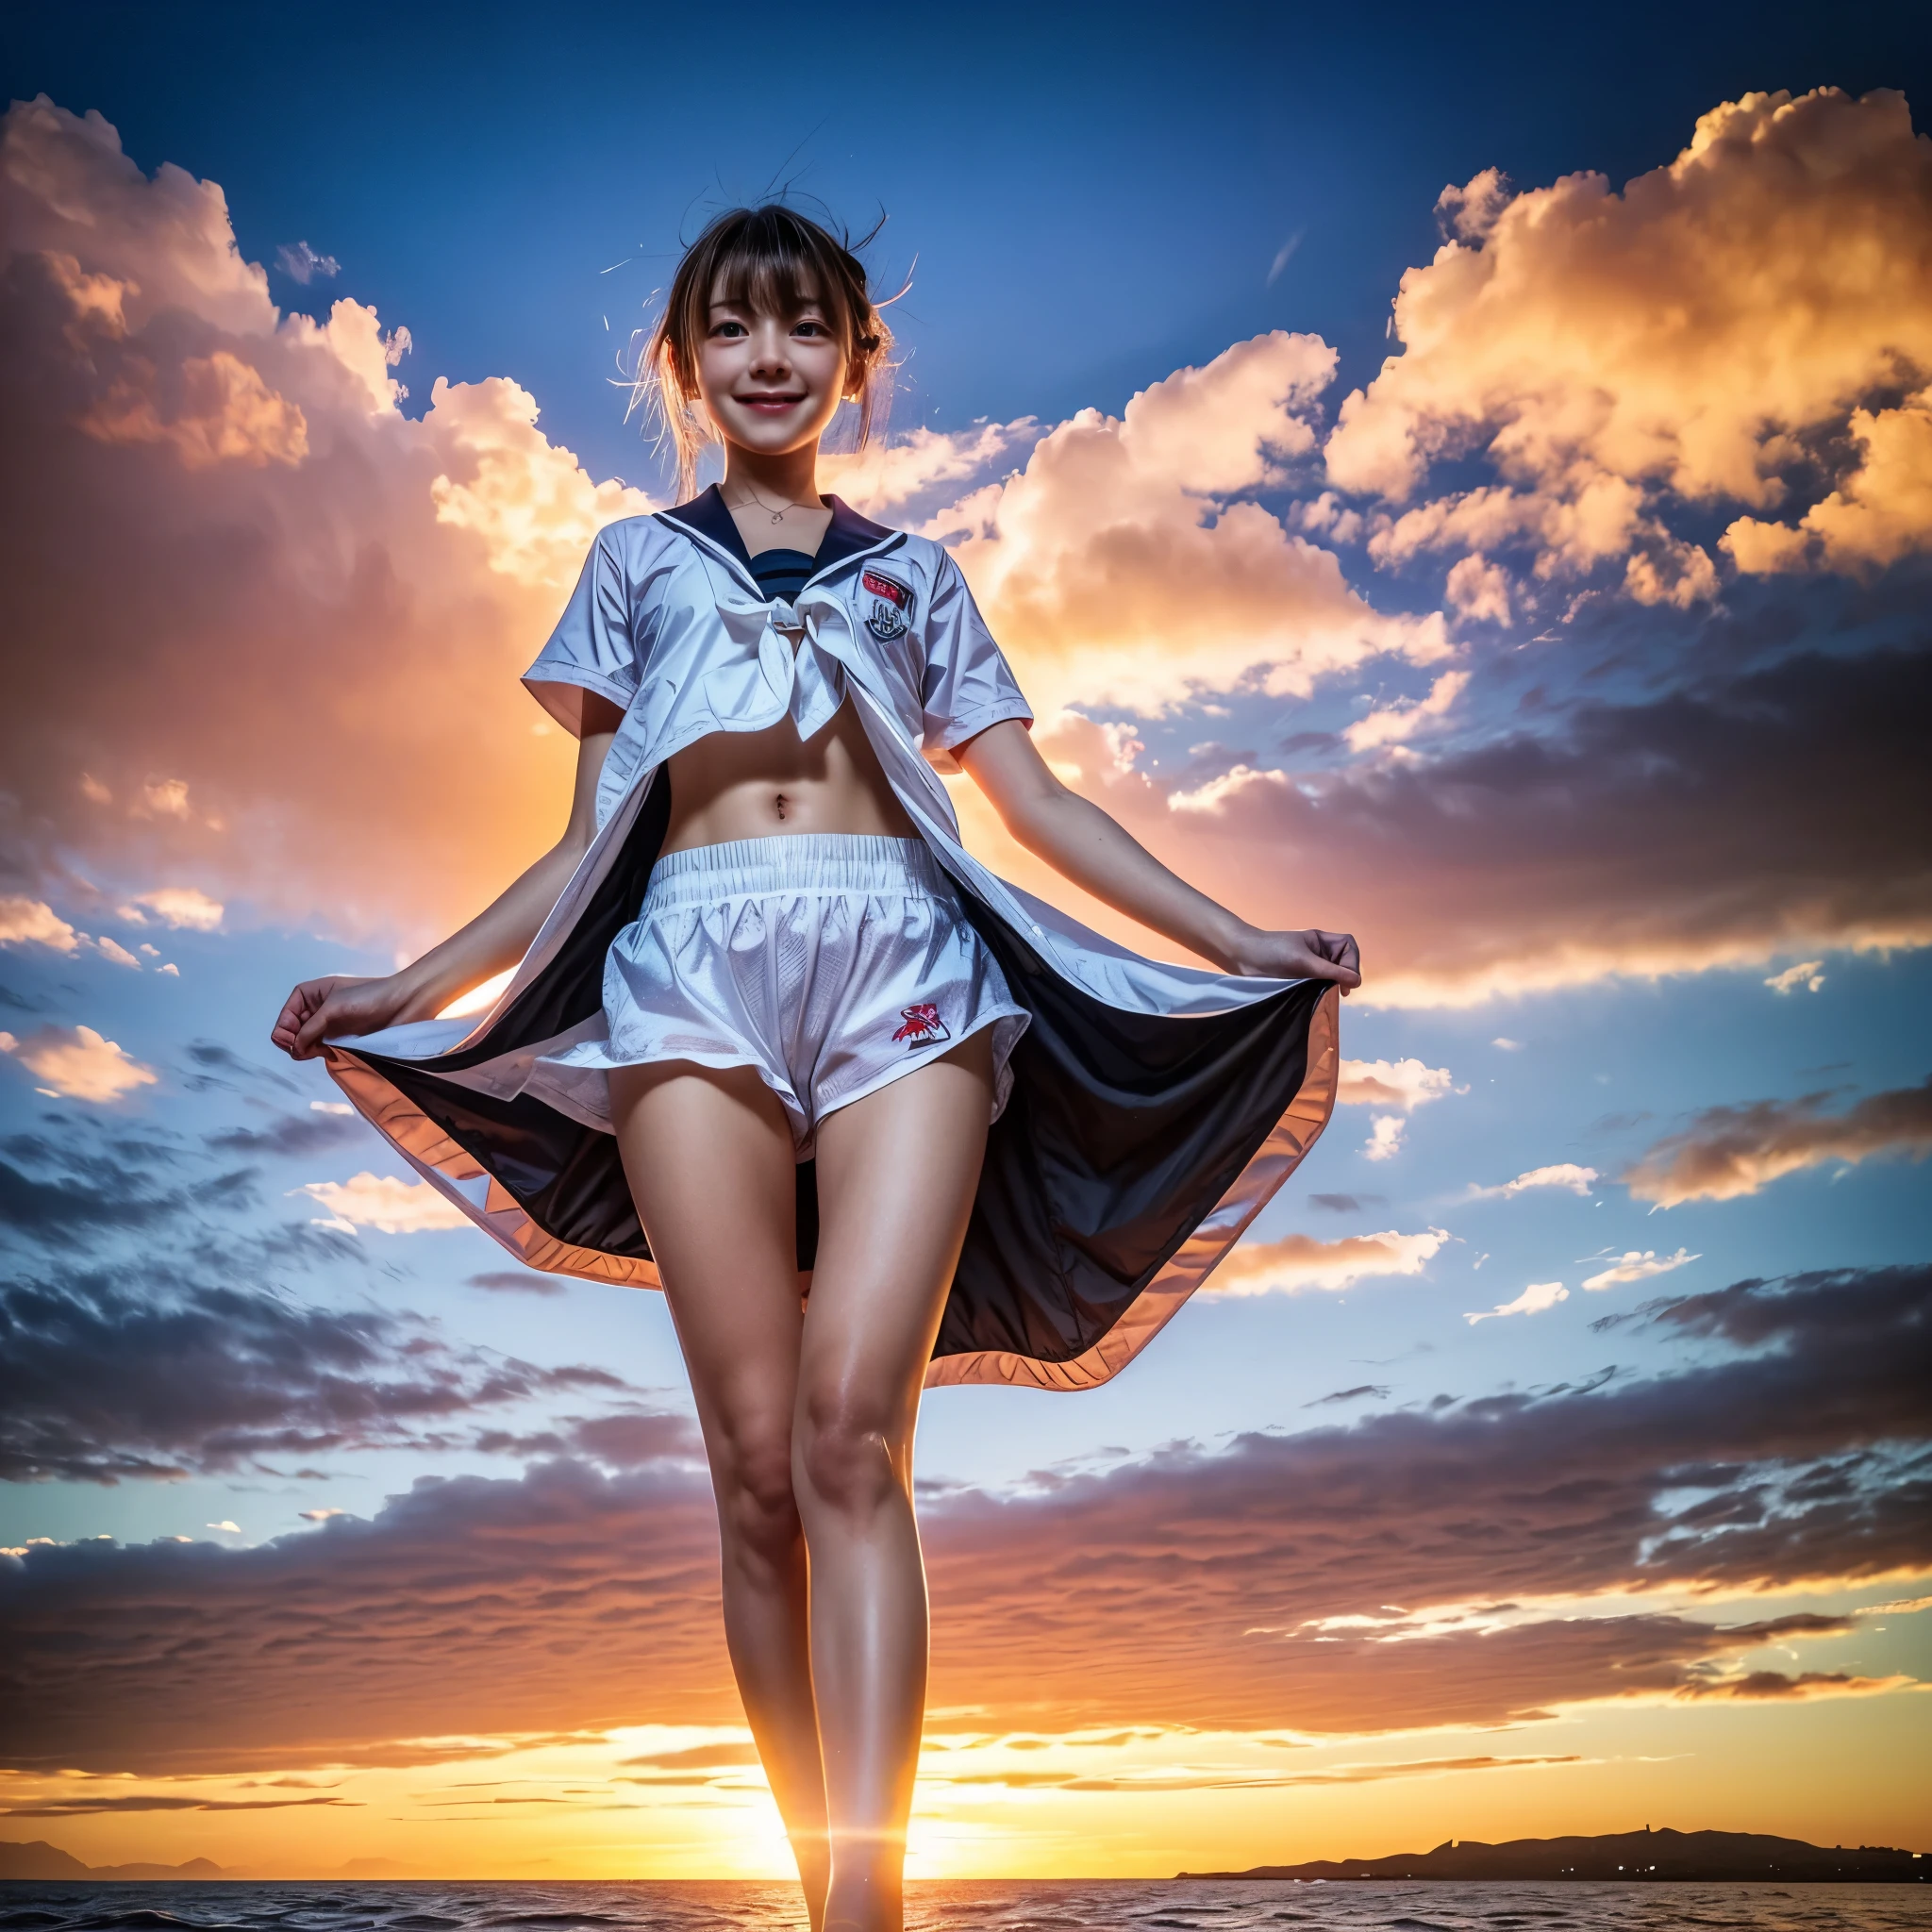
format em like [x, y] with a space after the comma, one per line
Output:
[770, 404]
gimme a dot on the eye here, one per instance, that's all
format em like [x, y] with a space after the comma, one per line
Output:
[729, 331]
[809, 327]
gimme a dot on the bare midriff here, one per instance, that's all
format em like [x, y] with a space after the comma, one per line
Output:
[759, 784]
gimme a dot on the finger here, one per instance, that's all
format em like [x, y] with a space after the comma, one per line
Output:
[308, 1039]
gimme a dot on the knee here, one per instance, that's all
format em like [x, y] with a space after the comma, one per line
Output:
[847, 1451]
[756, 1509]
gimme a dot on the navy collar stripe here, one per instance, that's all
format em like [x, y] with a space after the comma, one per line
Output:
[846, 535]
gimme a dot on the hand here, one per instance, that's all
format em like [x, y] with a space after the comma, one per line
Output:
[319, 1008]
[1311, 955]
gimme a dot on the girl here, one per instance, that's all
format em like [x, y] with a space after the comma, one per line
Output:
[871, 1118]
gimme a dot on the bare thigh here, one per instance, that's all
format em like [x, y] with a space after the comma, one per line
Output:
[709, 1161]
[898, 1173]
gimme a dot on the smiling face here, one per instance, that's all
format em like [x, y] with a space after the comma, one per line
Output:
[771, 381]
[768, 323]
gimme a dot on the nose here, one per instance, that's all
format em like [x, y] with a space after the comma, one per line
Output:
[768, 348]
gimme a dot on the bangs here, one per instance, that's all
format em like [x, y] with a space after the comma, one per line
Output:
[769, 267]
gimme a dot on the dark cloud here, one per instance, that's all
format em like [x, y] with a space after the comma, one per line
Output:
[290, 1134]
[65, 1211]
[1761, 1685]
[1282, 1582]
[65, 1188]
[1730, 1151]
[518, 1281]
[567, 1599]
[93, 1808]
[625, 1438]
[1339, 1396]
[1663, 834]
[101, 1380]
[1347, 1204]
[224, 1069]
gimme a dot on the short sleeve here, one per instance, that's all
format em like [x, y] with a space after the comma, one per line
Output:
[594, 647]
[968, 683]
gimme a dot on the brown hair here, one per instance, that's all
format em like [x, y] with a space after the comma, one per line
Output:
[766, 258]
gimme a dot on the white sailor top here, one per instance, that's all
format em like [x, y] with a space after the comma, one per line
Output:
[1153, 1111]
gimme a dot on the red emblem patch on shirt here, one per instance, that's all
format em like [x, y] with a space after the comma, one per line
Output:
[922, 1024]
[884, 587]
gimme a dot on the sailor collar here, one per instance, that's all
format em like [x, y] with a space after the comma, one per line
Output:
[707, 521]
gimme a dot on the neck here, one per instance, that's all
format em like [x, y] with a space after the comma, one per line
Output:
[791, 478]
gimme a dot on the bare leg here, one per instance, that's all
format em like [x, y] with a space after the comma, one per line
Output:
[898, 1173]
[709, 1161]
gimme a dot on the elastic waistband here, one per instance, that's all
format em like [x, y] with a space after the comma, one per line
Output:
[795, 862]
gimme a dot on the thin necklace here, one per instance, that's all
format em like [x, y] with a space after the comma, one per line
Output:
[777, 516]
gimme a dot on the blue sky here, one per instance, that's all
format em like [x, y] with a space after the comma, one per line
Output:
[1592, 747]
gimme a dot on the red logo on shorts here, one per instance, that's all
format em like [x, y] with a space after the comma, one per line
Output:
[922, 1026]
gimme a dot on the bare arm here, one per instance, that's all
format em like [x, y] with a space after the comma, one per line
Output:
[498, 937]
[1085, 844]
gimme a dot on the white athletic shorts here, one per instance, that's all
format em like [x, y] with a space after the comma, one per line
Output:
[832, 963]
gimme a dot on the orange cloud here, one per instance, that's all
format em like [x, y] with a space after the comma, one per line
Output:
[1116, 568]
[381, 1200]
[178, 906]
[304, 575]
[77, 1063]
[1407, 1084]
[1729, 1152]
[33, 921]
[1880, 512]
[1300, 1262]
[1682, 338]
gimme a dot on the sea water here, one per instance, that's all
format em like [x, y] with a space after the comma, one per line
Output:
[1020, 1905]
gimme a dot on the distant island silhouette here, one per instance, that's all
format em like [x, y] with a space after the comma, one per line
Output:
[36, 1859]
[1711, 1858]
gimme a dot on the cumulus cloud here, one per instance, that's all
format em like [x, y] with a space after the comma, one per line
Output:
[267, 502]
[1728, 1152]
[1397, 722]
[1407, 1084]
[1639, 1265]
[1699, 338]
[1300, 1263]
[75, 1063]
[1119, 566]
[1880, 512]
[1565, 1174]
[906, 480]
[1533, 1299]
[381, 1200]
[1806, 973]
[33, 922]
[1268, 1566]
[178, 906]
[1385, 1137]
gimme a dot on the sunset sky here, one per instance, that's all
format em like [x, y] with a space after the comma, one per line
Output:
[1462, 478]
